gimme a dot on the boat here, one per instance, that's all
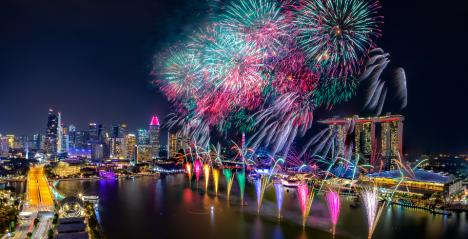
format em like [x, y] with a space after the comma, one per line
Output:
[107, 175]
[355, 204]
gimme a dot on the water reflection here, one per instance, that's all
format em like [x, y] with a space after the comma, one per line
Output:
[169, 208]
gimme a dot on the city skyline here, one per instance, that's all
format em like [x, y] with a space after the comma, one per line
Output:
[76, 59]
[233, 119]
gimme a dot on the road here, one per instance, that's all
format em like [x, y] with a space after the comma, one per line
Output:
[40, 202]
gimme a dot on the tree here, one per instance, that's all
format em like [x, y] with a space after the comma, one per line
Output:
[29, 234]
[50, 234]
[55, 220]
[36, 221]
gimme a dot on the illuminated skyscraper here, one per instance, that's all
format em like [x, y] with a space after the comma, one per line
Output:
[51, 133]
[72, 136]
[130, 143]
[59, 133]
[142, 137]
[154, 136]
[3, 146]
[117, 148]
[172, 144]
[143, 154]
[118, 131]
[376, 139]
[10, 141]
[391, 142]
[97, 151]
[38, 141]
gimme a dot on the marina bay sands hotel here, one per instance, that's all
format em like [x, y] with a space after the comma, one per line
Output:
[375, 140]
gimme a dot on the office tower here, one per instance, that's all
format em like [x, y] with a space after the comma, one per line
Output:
[97, 151]
[81, 139]
[115, 131]
[66, 142]
[3, 146]
[117, 148]
[10, 138]
[95, 132]
[154, 137]
[118, 131]
[59, 133]
[72, 136]
[143, 154]
[142, 137]
[50, 146]
[130, 143]
[173, 144]
[38, 141]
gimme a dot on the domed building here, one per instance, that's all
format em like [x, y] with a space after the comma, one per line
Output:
[71, 207]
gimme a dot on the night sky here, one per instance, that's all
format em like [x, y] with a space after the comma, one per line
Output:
[90, 59]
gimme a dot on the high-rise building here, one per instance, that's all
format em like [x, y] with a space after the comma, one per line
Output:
[154, 137]
[72, 136]
[51, 133]
[81, 139]
[142, 137]
[391, 139]
[376, 139]
[130, 142]
[117, 148]
[10, 141]
[95, 132]
[97, 151]
[3, 146]
[38, 141]
[59, 133]
[143, 154]
[118, 131]
[174, 144]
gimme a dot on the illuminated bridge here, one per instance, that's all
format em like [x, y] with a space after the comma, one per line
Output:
[38, 194]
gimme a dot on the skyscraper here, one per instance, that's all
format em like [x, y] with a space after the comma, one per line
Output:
[72, 136]
[142, 137]
[377, 140]
[154, 137]
[95, 132]
[118, 131]
[3, 146]
[38, 141]
[59, 133]
[173, 144]
[130, 142]
[51, 133]
[117, 148]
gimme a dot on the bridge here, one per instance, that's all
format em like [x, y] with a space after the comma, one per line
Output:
[38, 195]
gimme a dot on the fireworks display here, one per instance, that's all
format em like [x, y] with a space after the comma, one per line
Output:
[336, 33]
[371, 202]
[279, 197]
[333, 202]
[382, 85]
[265, 66]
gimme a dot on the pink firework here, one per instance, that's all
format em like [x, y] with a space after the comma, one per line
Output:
[333, 202]
[292, 75]
[197, 169]
[302, 196]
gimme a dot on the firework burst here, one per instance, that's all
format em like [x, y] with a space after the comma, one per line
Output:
[257, 21]
[335, 34]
